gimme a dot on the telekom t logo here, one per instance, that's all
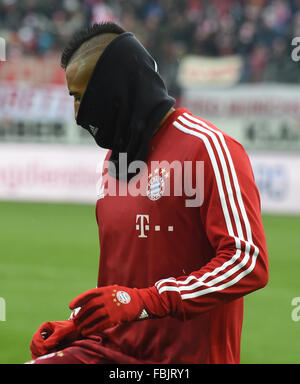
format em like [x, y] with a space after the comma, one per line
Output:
[142, 225]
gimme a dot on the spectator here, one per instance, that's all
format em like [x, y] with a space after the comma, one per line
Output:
[258, 30]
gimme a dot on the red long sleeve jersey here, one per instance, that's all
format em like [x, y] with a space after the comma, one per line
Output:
[205, 256]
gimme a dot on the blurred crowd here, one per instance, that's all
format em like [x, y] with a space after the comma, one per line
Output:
[259, 30]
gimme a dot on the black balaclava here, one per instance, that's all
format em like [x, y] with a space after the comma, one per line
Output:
[125, 101]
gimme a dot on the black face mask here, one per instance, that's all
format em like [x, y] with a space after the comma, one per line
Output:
[124, 102]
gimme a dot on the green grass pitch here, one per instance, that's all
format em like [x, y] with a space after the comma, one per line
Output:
[49, 254]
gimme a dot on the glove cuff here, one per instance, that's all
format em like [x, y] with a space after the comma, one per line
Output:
[154, 305]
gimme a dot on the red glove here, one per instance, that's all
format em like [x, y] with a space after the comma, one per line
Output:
[105, 307]
[52, 336]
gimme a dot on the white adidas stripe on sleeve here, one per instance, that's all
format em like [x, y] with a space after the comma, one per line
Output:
[198, 128]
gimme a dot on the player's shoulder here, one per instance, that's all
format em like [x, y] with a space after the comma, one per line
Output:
[200, 134]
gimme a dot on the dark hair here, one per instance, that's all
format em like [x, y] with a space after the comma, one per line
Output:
[86, 34]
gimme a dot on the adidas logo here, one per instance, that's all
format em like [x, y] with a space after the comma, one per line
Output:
[93, 129]
[144, 314]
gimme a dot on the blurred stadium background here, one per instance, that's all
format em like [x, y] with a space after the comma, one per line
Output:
[232, 62]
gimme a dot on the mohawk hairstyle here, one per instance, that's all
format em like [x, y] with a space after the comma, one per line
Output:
[86, 34]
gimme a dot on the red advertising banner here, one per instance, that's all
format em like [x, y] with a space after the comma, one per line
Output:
[21, 101]
[34, 70]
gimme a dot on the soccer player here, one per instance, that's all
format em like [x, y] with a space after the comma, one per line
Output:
[181, 236]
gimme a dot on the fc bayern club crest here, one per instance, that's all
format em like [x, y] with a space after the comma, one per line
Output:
[123, 297]
[156, 185]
